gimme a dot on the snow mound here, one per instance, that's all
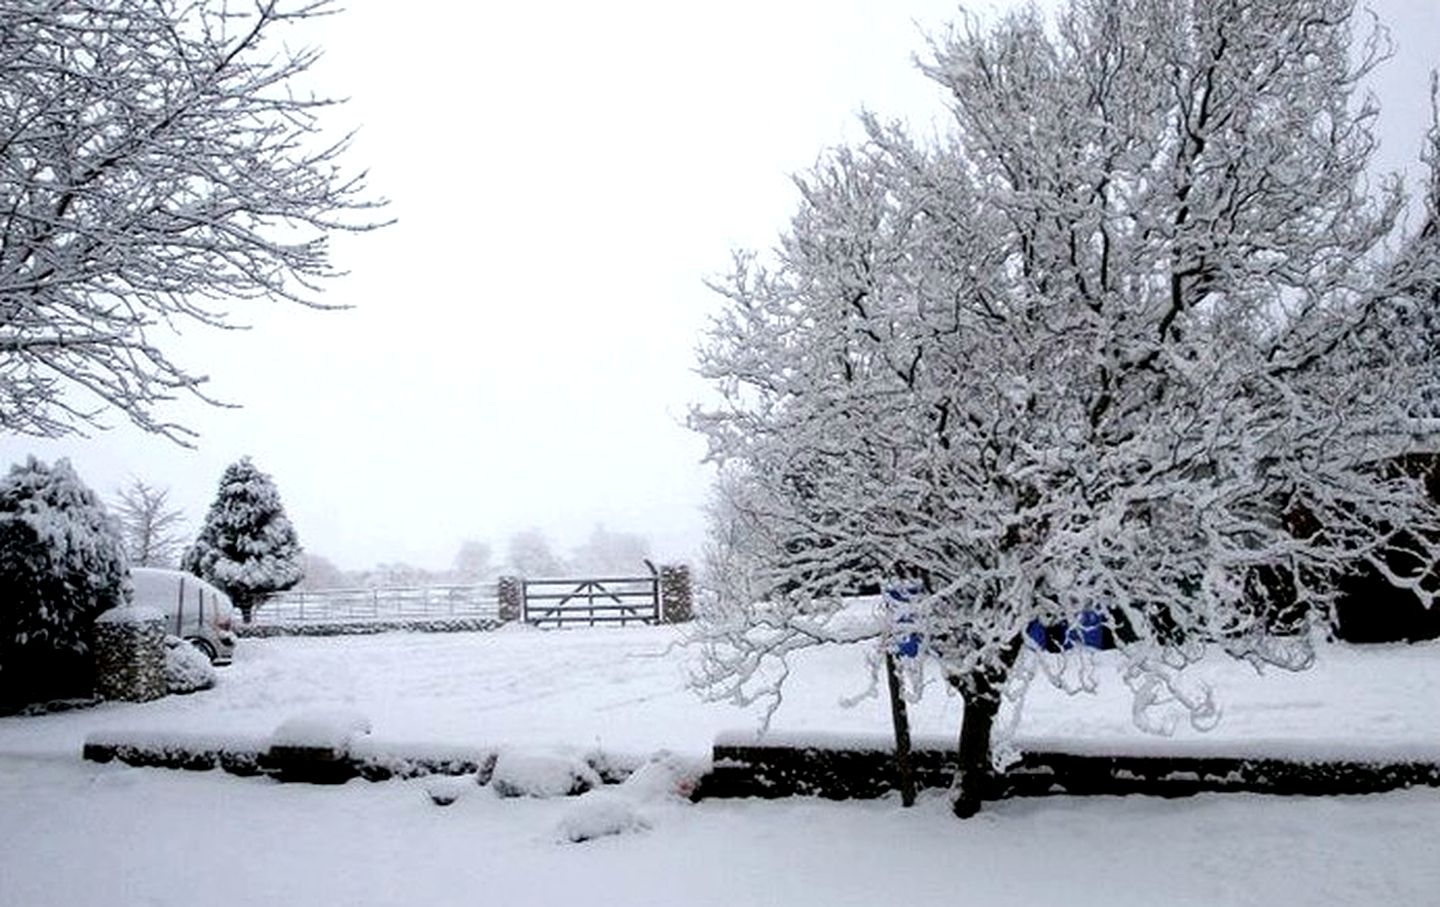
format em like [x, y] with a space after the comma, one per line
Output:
[186, 667]
[444, 790]
[664, 776]
[331, 729]
[519, 773]
[599, 814]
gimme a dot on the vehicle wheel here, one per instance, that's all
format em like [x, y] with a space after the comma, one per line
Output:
[205, 648]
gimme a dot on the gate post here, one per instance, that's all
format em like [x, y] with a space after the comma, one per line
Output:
[510, 590]
[676, 596]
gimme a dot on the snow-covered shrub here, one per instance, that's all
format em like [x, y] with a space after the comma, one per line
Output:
[664, 776]
[61, 565]
[597, 814]
[247, 546]
[531, 774]
[444, 790]
[187, 669]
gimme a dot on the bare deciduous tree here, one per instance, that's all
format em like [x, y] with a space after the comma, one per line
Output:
[159, 161]
[529, 554]
[472, 561]
[149, 527]
[1121, 342]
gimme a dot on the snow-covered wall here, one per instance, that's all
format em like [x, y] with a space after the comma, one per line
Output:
[130, 654]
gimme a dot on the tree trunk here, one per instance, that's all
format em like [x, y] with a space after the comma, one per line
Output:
[981, 692]
[972, 775]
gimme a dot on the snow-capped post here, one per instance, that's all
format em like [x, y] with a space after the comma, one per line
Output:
[676, 594]
[510, 593]
[1138, 332]
[130, 654]
[903, 643]
[247, 546]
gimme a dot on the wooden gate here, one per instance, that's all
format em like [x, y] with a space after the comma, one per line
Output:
[622, 600]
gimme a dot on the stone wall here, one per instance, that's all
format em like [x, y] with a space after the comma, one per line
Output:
[130, 655]
[677, 602]
[510, 590]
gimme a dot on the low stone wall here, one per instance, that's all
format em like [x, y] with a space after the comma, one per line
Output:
[176, 751]
[367, 627]
[369, 760]
[677, 596]
[130, 655]
[841, 773]
[510, 591]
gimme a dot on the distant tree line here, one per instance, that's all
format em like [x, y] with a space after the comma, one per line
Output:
[528, 552]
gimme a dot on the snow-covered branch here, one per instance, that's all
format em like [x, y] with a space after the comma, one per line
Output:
[156, 163]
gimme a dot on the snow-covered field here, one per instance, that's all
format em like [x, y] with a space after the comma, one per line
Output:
[76, 833]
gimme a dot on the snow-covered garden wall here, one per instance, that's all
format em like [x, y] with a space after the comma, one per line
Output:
[130, 654]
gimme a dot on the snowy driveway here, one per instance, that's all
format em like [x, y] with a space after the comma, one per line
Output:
[78, 834]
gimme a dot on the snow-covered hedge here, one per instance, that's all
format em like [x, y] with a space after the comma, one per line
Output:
[61, 566]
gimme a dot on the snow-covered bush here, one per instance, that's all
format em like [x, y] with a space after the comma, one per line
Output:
[187, 669]
[247, 546]
[664, 776]
[61, 565]
[597, 814]
[520, 773]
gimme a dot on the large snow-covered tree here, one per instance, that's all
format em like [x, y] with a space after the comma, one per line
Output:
[1121, 341]
[160, 161]
[608, 551]
[61, 565]
[472, 562]
[529, 554]
[247, 546]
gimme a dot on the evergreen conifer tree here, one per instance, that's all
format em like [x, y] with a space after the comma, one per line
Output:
[62, 564]
[247, 546]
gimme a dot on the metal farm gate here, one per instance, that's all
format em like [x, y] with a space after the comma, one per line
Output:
[622, 600]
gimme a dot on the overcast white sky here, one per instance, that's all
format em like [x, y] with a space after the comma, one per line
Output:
[564, 176]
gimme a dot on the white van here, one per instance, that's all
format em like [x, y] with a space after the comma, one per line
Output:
[197, 611]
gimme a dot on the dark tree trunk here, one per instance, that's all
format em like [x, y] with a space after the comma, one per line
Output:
[973, 774]
[246, 604]
[981, 692]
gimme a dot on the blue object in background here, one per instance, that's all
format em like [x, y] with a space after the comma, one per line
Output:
[1088, 631]
[898, 596]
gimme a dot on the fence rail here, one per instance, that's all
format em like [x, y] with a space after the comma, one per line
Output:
[320, 606]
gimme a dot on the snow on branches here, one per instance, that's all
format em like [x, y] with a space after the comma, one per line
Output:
[158, 161]
[1118, 343]
[247, 545]
[62, 564]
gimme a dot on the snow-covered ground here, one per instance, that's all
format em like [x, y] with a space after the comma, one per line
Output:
[76, 833]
